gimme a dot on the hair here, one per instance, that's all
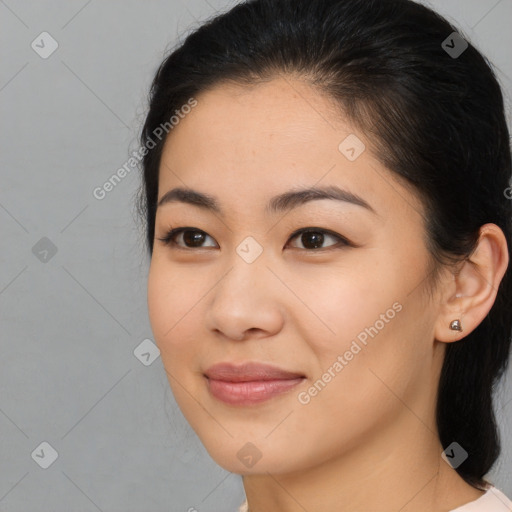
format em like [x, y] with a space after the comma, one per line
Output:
[436, 121]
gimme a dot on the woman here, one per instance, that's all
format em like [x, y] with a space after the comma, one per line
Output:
[325, 198]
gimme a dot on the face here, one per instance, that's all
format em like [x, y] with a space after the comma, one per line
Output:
[330, 289]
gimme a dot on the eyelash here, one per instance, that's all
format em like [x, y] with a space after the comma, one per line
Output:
[169, 238]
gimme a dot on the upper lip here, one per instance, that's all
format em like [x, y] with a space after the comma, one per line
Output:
[251, 371]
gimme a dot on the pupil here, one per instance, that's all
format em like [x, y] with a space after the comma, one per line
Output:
[316, 239]
[191, 237]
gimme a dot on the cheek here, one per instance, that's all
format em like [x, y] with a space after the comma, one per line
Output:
[341, 308]
[159, 308]
[378, 362]
[364, 323]
[361, 391]
[171, 315]
[171, 298]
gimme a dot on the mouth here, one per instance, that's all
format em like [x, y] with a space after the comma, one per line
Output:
[249, 383]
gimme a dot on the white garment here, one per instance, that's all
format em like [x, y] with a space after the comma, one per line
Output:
[492, 501]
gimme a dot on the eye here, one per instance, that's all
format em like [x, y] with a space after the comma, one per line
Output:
[312, 239]
[193, 238]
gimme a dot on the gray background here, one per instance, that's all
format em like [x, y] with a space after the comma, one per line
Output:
[70, 321]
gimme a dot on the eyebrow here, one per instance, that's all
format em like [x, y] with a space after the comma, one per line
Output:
[283, 202]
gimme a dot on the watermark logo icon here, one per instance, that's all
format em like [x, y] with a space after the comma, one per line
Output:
[454, 455]
[146, 352]
[249, 455]
[44, 250]
[351, 147]
[45, 455]
[44, 45]
[454, 45]
[249, 249]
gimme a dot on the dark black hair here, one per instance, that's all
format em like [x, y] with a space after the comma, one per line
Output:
[434, 117]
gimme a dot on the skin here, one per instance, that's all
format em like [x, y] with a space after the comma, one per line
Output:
[368, 440]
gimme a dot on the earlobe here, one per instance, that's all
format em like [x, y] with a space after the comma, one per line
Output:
[476, 286]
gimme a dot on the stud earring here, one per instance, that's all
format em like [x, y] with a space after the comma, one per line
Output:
[455, 325]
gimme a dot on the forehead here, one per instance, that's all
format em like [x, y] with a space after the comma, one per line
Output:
[278, 109]
[233, 121]
[258, 140]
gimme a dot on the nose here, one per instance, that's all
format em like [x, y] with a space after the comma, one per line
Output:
[246, 303]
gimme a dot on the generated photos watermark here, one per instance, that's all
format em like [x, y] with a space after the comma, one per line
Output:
[101, 192]
[304, 397]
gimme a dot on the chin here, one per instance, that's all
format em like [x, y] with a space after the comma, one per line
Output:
[248, 458]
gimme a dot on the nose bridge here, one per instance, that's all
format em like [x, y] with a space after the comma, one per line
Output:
[244, 297]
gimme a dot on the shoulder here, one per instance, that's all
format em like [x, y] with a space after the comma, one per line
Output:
[243, 507]
[492, 501]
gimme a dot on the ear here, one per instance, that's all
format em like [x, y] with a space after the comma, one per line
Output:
[472, 291]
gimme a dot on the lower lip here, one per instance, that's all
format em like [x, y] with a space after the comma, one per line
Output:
[247, 393]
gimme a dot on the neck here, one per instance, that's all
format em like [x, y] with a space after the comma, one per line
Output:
[400, 469]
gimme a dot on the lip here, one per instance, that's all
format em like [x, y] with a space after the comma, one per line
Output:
[249, 383]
